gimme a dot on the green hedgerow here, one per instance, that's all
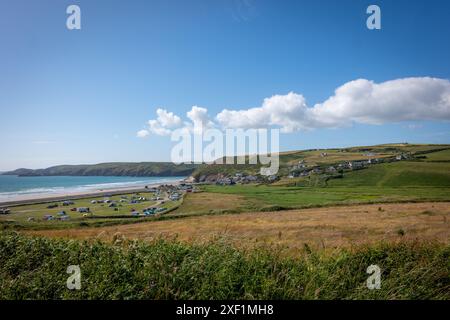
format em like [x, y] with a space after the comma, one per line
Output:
[35, 268]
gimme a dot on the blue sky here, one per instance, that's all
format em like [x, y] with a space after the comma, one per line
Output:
[80, 96]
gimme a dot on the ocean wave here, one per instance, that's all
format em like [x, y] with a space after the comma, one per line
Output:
[11, 195]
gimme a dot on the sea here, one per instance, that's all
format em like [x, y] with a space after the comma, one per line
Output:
[15, 187]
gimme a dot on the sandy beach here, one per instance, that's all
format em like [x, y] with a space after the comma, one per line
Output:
[43, 198]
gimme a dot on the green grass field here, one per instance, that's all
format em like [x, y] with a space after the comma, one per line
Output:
[301, 197]
[398, 174]
[389, 182]
[443, 155]
[100, 214]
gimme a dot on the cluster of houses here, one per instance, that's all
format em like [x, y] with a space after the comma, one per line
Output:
[175, 196]
[188, 187]
[175, 192]
[241, 178]
[301, 169]
[237, 178]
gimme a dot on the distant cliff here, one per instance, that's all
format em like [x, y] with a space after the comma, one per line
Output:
[141, 169]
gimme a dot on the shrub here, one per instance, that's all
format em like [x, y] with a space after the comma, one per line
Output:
[35, 268]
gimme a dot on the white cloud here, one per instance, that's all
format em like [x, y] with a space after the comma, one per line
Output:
[157, 128]
[286, 111]
[200, 119]
[166, 122]
[162, 125]
[142, 133]
[358, 101]
[168, 119]
[406, 99]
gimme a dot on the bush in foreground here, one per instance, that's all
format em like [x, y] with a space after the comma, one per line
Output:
[35, 268]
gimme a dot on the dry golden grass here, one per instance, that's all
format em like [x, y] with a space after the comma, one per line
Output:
[319, 227]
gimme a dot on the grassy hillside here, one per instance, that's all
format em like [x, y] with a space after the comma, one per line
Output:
[443, 155]
[420, 179]
[35, 268]
[317, 157]
[142, 169]
[404, 173]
